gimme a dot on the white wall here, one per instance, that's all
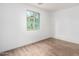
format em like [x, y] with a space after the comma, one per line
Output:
[67, 24]
[52, 24]
[13, 32]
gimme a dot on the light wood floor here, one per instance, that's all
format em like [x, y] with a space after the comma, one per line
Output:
[47, 47]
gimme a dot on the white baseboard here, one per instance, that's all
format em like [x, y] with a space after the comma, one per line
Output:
[66, 39]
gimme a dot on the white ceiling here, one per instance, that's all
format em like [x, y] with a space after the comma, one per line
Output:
[54, 6]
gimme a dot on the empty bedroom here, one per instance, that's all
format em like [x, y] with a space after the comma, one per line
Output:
[39, 29]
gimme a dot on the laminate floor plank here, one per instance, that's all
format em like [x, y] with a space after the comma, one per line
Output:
[47, 47]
